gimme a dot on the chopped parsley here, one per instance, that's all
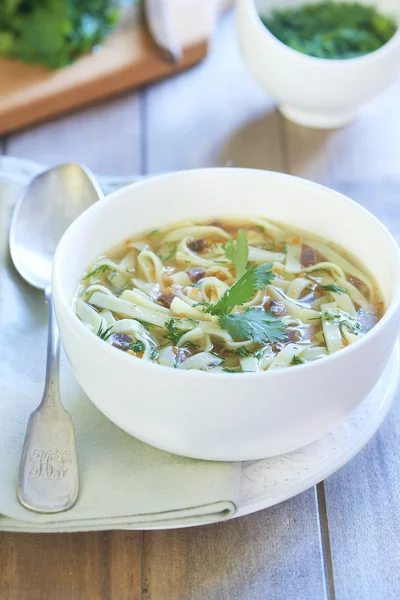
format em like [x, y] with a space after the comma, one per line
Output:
[137, 347]
[127, 286]
[172, 333]
[170, 251]
[191, 321]
[296, 360]
[331, 30]
[105, 333]
[241, 351]
[336, 289]
[100, 270]
[255, 324]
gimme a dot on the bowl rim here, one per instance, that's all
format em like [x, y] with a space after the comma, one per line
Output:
[66, 308]
[335, 62]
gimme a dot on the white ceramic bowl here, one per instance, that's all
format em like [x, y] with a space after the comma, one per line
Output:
[316, 92]
[225, 416]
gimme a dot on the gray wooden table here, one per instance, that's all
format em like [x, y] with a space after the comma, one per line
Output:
[340, 540]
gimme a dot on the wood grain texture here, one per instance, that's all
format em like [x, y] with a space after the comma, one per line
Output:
[363, 498]
[127, 59]
[78, 566]
[271, 555]
[213, 115]
[107, 138]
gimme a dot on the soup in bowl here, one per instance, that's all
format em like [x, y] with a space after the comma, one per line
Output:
[227, 314]
[233, 295]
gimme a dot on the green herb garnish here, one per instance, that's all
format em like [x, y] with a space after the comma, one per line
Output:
[204, 303]
[100, 270]
[241, 351]
[172, 333]
[336, 289]
[238, 253]
[296, 360]
[104, 334]
[127, 286]
[255, 324]
[255, 278]
[154, 353]
[53, 32]
[332, 30]
[137, 347]
[172, 247]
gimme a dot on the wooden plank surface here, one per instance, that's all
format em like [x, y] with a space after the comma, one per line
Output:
[70, 566]
[272, 555]
[106, 137]
[363, 498]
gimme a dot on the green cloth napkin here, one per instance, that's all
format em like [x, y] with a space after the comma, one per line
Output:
[123, 482]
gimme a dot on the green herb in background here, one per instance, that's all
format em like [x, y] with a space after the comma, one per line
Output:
[53, 32]
[335, 30]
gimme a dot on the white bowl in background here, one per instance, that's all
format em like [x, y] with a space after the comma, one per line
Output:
[315, 92]
[226, 416]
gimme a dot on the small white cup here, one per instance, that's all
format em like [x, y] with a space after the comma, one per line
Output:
[318, 93]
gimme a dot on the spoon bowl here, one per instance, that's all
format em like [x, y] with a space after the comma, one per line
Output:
[52, 201]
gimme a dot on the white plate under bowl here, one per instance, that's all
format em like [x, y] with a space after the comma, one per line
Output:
[269, 481]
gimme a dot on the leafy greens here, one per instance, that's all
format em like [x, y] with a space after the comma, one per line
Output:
[255, 324]
[53, 32]
[255, 278]
[333, 30]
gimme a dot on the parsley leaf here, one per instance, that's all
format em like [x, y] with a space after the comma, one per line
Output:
[104, 334]
[137, 347]
[336, 289]
[255, 278]
[238, 253]
[296, 360]
[100, 270]
[54, 32]
[172, 333]
[255, 324]
[241, 351]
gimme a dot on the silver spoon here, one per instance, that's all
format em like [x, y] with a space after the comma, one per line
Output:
[48, 475]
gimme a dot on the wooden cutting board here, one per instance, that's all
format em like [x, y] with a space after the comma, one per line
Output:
[127, 59]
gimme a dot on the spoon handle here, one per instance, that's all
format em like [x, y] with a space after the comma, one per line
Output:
[48, 474]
